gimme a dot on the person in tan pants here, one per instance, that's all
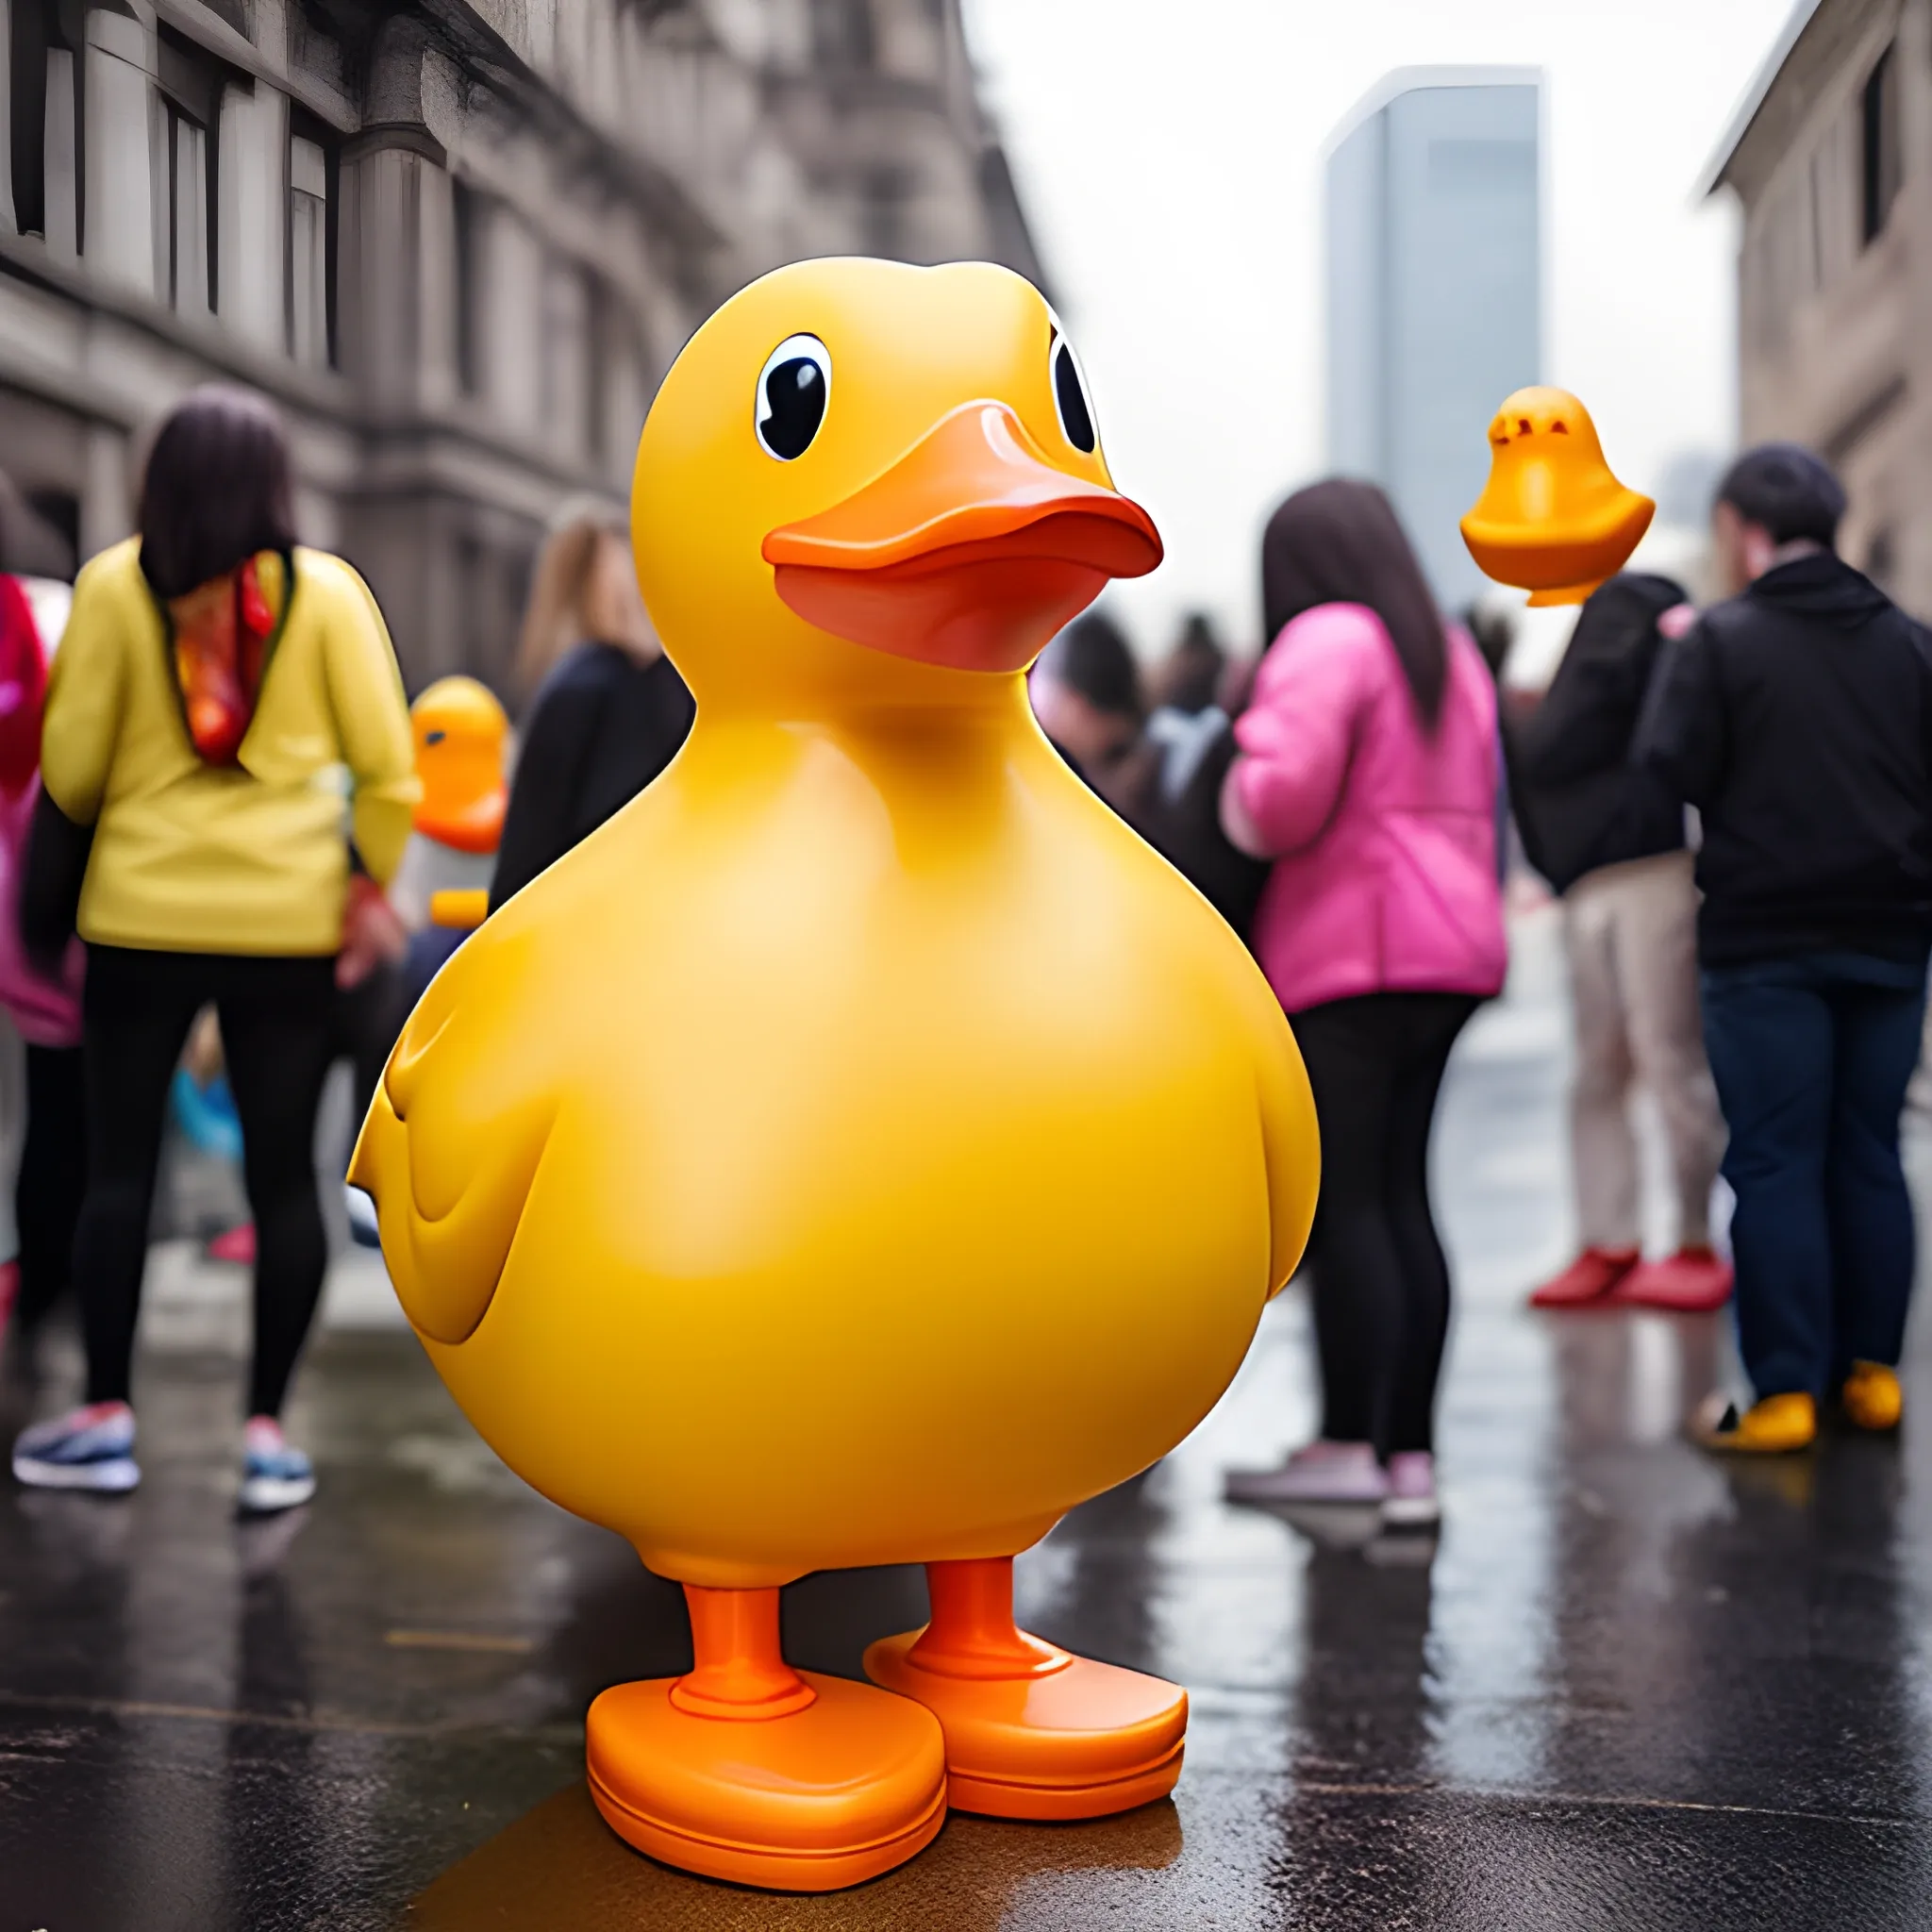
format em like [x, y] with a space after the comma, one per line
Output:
[1610, 840]
[1631, 934]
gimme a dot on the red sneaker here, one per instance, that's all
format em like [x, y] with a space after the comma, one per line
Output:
[1693, 1281]
[1589, 1278]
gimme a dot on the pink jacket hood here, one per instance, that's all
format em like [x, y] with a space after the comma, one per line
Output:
[1385, 834]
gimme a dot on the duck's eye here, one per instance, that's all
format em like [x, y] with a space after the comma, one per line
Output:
[1070, 396]
[794, 388]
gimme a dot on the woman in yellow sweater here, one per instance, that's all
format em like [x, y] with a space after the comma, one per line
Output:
[226, 721]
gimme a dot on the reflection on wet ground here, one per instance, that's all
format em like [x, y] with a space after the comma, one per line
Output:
[1628, 1688]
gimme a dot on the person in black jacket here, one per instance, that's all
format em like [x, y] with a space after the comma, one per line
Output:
[1086, 694]
[1609, 838]
[1797, 718]
[610, 711]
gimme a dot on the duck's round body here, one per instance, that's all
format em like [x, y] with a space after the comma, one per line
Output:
[862, 1148]
[897, 1175]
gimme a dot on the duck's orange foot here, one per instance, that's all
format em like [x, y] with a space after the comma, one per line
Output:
[842, 1783]
[1031, 1730]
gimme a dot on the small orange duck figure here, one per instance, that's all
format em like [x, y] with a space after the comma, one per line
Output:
[1552, 520]
[462, 735]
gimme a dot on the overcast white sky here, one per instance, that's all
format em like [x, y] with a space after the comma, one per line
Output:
[1170, 160]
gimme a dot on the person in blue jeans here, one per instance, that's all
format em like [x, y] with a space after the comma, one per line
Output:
[1797, 718]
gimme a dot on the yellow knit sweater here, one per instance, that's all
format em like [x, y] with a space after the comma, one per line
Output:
[245, 858]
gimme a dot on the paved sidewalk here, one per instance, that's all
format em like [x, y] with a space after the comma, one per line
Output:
[1628, 1688]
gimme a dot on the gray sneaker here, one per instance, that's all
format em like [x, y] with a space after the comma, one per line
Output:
[1320, 1472]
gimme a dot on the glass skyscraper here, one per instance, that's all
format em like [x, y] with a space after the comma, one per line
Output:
[1435, 291]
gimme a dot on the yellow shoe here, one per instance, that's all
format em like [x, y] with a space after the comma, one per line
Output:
[1872, 1396]
[1774, 1426]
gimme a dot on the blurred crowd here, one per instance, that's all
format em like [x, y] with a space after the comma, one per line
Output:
[232, 855]
[1733, 807]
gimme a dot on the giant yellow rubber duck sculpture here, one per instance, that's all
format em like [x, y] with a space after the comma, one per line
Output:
[862, 1148]
[1552, 520]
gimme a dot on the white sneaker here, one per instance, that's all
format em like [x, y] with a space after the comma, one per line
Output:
[1411, 1502]
[275, 1473]
[89, 1448]
[364, 1229]
[1320, 1472]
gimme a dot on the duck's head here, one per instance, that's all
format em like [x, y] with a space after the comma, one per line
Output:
[865, 483]
[459, 729]
[1551, 519]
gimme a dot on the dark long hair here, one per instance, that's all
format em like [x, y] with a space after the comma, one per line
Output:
[216, 489]
[1338, 542]
[1090, 656]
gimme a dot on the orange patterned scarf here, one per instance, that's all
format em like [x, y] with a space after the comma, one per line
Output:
[222, 630]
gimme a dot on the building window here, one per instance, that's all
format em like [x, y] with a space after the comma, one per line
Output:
[567, 386]
[467, 220]
[186, 214]
[1882, 148]
[600, 344]
[841, 33]
[888, 195]
[190, 265]
[309, 253]
[27, 110]
[43, 127]
[61, 508]
[60, 154]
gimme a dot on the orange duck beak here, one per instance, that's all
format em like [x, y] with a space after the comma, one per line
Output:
[970, 550]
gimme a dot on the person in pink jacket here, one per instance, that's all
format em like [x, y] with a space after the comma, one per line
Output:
[1368, 773]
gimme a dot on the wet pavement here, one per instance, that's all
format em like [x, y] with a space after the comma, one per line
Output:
[1627, 1688]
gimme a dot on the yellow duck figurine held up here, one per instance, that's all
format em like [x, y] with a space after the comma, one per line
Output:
[1551, 519]
[461, 733]
[863, 1148]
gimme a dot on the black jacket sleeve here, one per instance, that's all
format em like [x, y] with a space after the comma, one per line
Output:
[540, 826]
[1683, 736]
[1586, 722]
[50, 883]
[1187, 831]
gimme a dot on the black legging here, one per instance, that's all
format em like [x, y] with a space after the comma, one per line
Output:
[276, 1038]
[53, 1179]
[1381, 1285]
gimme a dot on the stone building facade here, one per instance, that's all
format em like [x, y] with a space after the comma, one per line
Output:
[1831, 159]
[457, 241]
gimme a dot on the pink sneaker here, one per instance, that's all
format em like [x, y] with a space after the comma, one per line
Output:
[234, 1245]
[1693, 1281]
[1589, 1278]
[1320, 1472]
[1411, 1502]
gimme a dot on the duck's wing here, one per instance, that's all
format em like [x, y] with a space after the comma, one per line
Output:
[456, 1131]
[1290, 1140]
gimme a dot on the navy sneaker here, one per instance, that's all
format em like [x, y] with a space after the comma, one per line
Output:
[91, 1448]
[275, 1473]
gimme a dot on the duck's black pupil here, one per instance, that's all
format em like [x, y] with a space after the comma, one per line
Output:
[1075, 418]
[794, 407]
